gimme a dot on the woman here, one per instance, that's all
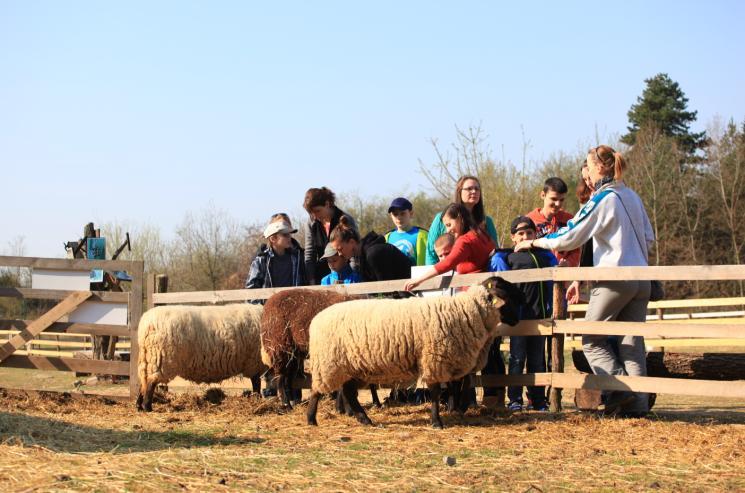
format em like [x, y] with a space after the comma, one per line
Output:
[324, 217]
[616, 220]
[471, 250]
[468, 193]
[376, 260]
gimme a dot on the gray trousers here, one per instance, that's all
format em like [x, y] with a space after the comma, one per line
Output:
[623, 301]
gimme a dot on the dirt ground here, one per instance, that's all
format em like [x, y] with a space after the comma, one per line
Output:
[49, 443]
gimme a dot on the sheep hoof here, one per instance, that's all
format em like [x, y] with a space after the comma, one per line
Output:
[437, 426]
[312, 422]
[365, 420]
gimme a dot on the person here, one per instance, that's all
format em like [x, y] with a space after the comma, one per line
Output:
[468, 193]
[471, 250]
[538, 297]
[583, 192]
[410, 239]
[324, 216]
[341, 271]
[551, 217]
[376, 259]
[616, 220]
[444, 245]
[279, 263]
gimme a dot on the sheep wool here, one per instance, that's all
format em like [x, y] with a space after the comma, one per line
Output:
[204, 344]
[386, 341]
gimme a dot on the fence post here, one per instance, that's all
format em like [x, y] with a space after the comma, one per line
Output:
[135, 312]
[557, 346]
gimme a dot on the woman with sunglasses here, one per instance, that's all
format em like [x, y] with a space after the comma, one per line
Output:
[468, 193]
[615, 218]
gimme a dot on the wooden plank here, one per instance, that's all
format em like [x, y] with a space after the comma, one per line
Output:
[526, 328]
[68, 394]
[708, 388]
[57, 294]
[662, 273]
[137, 272]
[66, 264]
[537, 379]
[689, 303]
[67, 364]
[649, 329]
[37, 326]
[70, 328]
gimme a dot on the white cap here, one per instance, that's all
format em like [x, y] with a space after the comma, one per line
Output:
[278, 227]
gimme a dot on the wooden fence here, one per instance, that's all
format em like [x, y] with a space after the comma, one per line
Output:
[557, 327]
[54, 320]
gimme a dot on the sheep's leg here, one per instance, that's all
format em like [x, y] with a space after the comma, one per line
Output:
[147, 401]
[374, 393]
[454, 396]
[313, 408]
[465, 394]
[256, 384]
[349, 389]
[282, 389]
[434, 390]
[342, 405]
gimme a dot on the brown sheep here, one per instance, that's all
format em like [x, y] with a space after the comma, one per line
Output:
[284, 333]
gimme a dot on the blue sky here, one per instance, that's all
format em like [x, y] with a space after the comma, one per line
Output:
[140, 112]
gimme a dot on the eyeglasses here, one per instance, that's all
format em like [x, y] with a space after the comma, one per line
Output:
[472, 189]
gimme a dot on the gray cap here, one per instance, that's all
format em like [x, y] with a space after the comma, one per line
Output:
[330, 251]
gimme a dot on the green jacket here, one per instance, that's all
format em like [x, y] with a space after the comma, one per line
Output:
[420, 249]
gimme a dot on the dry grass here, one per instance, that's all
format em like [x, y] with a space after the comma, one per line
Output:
[53, 444]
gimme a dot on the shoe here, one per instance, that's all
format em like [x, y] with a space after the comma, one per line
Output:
[515, 406]
[616, 401]
[541, 408]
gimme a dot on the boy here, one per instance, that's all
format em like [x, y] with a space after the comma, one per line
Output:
[341, 271]
[443, 245]
[278, 264]
[410, 239]
[552, 217]
[538, 296]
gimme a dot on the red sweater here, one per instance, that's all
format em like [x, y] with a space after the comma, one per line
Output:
[544, 227]
[470, 253]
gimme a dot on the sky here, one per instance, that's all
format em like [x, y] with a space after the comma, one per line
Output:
[140, 112]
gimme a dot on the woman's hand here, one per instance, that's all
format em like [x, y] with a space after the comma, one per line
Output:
[411, 285]
[572, 294]
[524, 245]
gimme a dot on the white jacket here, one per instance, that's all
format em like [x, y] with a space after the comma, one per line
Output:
[613, 230]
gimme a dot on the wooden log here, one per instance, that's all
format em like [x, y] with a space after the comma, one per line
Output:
[136, 301]
[557, 346]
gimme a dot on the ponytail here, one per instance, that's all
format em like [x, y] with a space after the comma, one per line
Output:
[619, 163]
[344, 231]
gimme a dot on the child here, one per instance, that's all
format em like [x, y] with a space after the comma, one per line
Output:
[538, 296]
[341, 271]
[410, 239]
[551, 217]
[443, 245]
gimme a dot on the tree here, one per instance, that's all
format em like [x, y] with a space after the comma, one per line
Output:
[663, 104]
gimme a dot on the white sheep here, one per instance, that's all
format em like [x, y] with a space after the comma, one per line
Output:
[204, 344]
[386, 341]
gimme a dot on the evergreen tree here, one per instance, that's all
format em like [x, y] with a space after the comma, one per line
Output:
[664, 105]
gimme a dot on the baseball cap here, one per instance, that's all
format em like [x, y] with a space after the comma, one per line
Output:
[329, 251]
[278, 227]
[528, 222]
[400, 203]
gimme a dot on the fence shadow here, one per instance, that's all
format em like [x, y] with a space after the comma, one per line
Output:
[63, 436]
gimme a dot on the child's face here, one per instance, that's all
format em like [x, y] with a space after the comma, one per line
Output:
[523, 234]
[336, 263]
[402, 218]
[443, 251]
[281, 241]
[553, 201]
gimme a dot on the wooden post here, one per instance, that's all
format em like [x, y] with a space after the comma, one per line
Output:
[557, 347]
[135, 312]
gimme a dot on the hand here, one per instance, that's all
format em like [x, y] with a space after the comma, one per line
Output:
[562, 263]
[572, 294]
[524, 245]
[411, 285]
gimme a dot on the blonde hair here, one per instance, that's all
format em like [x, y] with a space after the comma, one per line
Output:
[609, 160]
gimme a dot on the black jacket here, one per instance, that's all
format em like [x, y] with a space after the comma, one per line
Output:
[259, 274]
[316, 240]
[381, 261]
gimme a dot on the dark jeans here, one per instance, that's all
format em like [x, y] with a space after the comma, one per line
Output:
[530, 350]
[494, 366]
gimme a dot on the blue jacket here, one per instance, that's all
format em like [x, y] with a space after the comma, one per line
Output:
[539, 294]
[347, 276]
